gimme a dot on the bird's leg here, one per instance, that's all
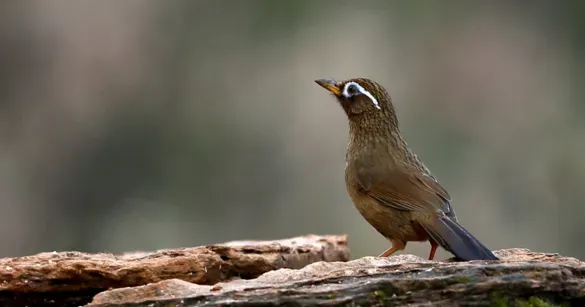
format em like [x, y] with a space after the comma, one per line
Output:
[396, 246]
[434, 246]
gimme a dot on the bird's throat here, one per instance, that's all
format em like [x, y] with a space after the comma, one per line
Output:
[369, 143]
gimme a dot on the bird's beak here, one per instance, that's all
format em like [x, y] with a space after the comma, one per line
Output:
[330, 85]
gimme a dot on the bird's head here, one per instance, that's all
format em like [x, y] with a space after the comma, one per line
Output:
[363, 100]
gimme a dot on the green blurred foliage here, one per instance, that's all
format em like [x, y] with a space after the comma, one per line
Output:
[145, 125]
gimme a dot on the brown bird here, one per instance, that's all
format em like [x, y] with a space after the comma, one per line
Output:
[389, 185]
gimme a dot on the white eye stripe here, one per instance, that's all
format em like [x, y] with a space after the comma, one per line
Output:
[361, 90]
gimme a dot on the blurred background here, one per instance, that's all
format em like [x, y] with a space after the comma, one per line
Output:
[142, 125]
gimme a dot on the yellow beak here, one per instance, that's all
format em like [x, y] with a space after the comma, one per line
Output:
[330, 85]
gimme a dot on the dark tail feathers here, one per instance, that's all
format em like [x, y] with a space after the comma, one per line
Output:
[457, 240]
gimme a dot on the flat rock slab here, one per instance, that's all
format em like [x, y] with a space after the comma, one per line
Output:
[73, 278]
[520, 278]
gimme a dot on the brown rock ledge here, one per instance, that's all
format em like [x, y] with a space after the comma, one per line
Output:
[521, 278]
[73, 278]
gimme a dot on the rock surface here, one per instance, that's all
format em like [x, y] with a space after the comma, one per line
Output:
[521, 278]
[304, 271]
[73, 278]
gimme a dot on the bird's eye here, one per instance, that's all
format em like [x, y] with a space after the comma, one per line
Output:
[352, 90]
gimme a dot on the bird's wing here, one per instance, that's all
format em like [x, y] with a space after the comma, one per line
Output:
[411, 190]
[405, 189]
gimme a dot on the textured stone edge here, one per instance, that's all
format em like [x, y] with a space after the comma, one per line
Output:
[520, 276]
[55, 275]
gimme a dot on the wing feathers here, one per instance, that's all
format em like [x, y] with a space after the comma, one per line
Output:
[405, 190]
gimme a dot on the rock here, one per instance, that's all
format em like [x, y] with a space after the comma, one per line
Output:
[73, 278]
[304, 271]
[521, 278]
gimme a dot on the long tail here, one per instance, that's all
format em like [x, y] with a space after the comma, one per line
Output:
[457, 240]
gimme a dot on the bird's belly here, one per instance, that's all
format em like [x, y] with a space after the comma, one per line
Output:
[391, 223]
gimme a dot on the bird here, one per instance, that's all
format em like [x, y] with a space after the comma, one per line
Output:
[389, 185]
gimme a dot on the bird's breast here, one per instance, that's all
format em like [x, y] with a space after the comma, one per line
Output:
[389, 222]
